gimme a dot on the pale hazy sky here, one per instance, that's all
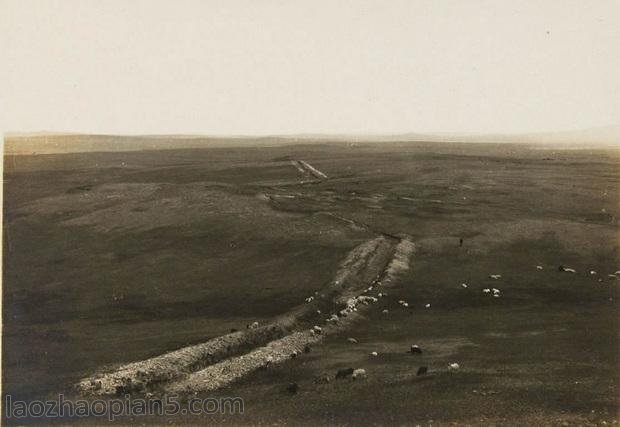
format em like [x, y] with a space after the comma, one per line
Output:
[260, 67]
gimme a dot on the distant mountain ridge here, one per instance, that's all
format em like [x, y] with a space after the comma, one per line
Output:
[56, 142]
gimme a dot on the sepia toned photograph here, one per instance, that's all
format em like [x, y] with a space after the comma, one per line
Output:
[310, 213]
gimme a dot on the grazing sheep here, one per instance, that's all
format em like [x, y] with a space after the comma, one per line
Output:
[486, 290]
[566, 269]
[309, 299]
[422, 370]
[592, 272]
[317, 329]
[495, 276]
[415, 349]
[322, 379]
[539, 267]
[427, 306]
[358, 374]
[344, 372]
[352, 340]
[406, 304]
[374, 353]
[253, 325]
[386, 311]
[453, 367]
[464, 285]
[318, 312]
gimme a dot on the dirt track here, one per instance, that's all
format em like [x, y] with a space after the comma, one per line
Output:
[197, 366]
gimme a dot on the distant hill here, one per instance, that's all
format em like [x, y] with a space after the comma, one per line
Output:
[49, 143]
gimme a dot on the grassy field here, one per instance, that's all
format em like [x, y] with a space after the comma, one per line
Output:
[115, 257]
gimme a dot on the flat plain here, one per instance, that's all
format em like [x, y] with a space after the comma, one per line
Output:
[115, 257]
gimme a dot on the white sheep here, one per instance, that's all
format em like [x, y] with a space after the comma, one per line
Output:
[374, 353]
[495, 276]
[453, 367]
[427, 306]
[359, 374]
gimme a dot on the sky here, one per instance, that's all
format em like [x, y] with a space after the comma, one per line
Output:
[248, 67]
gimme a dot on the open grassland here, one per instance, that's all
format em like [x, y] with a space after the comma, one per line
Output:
[112, 258]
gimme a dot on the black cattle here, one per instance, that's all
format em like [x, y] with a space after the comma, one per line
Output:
[343, 373]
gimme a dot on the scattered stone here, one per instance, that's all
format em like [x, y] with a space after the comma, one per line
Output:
[307, 349]
[358, 374]
[317, 329]
[422, 370]
[333, 318]
[344, 372]
[253, 325]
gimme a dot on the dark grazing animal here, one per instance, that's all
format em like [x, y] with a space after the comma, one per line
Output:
[415, 349]
[422, 370]
[343, 373]
[292, 388]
